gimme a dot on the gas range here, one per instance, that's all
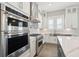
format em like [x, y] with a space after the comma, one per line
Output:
[38, 36]
[35, 34]
[39, 42]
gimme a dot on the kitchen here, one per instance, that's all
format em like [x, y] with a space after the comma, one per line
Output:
[39, 29]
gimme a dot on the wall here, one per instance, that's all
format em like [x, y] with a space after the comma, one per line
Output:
[54, 13]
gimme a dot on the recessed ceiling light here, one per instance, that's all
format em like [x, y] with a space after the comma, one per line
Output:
[50, 4]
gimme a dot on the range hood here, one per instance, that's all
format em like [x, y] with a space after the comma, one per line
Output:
[33, 19]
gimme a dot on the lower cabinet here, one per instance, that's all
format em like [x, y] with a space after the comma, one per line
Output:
[32, 46]
[60, 50]
[49, 39]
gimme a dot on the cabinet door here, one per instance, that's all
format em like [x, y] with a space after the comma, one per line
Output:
[26, 7]
[45, 39]
[74, 18]
[68, 18]
[50, 39]
[20, 5]
[33, 46]
[15, 4]
[71, 18]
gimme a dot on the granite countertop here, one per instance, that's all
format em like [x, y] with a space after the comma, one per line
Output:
[70, 45]
[35, 34]
[58, 34]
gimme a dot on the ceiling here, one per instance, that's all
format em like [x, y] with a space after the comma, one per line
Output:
[53, 6]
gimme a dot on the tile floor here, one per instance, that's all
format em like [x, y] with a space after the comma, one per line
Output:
[48, 50]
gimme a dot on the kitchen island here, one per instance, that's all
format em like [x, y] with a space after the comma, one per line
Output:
[69, 45]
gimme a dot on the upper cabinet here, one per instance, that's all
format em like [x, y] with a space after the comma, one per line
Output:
[24, 6]
[71, 17]
[15, 4]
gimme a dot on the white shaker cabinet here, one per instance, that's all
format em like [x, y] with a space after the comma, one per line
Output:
[71, 17]
[68, 18]
[74, 17]
[23, 6]
[49, 39]
[26, 7]
[52, 39]
[32, 46]
[15, 4]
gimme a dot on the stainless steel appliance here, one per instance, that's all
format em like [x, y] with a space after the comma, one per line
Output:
[39, 44]
[14, 32]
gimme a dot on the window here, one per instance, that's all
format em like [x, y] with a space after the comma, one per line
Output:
[56, 22]
[60, 22]
[51, 24]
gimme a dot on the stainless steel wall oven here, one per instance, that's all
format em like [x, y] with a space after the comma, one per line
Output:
[14, 32]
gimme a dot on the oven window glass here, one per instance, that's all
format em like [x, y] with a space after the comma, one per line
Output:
[9, 28]
[17, 42]
[20, 29]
